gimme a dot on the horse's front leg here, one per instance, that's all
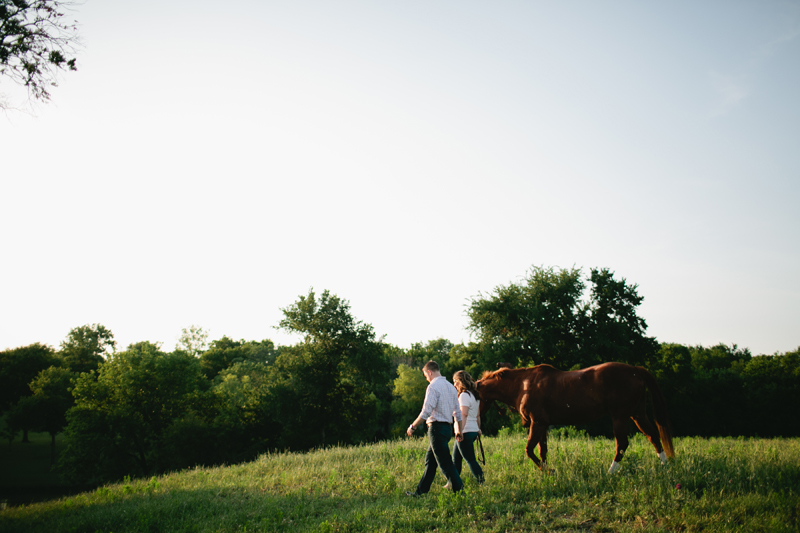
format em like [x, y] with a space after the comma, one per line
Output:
[537, 435]
[530, 449]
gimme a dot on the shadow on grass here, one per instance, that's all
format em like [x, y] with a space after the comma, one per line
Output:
[228, 509]
[16, 496]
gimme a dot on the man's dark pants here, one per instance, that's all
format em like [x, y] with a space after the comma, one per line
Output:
[439, 434]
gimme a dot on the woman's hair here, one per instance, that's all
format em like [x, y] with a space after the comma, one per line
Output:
[464, 383]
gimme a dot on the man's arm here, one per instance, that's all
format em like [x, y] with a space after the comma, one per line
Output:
[417, 422]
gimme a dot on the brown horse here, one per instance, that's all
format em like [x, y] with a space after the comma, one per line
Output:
[544, 395]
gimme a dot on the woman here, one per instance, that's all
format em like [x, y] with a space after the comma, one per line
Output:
[469, 402]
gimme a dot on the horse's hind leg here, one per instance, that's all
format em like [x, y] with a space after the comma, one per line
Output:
[647, 427]
[621, 436]
[543, 449]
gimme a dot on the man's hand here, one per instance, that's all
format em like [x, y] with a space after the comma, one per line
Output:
[410, 431]
[459, 436]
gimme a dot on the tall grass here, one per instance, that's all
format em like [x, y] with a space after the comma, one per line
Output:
[713, 485]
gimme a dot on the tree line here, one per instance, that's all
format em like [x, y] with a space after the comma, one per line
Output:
[143, 410]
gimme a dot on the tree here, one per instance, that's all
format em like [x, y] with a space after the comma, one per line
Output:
[245, 414]
[334, 386]
[123, 411]
[86, 347]
[20, 417]
[18, 367]
[225, 352]
[544, 319]
[193, 340]
[770, 381]
[613, 331]
[234, 421]
[436, 350]
[36, 43]
[409, 393]
[719, 357]
[535, 321]
[51, 400]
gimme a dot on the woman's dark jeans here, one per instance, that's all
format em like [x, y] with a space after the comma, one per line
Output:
[466, 450]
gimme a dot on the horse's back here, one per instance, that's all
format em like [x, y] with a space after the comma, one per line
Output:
[579, 396]
[622, 385]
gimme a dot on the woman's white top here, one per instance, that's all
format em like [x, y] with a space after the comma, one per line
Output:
[466, 399]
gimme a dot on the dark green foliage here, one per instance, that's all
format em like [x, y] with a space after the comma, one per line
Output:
[124, 410]
[225, 352]
[18, 367]
[234, 421]
[719, 357]
[20, 418]
[334, 386]
[52, 397]
[408, 393]
[536, 321]
[436, 350]
[612, 331]
[771, 386]
[86, 347]
[543, 319]
[723, 390]
[144, 411]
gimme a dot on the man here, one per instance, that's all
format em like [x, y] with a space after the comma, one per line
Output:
[441, 403]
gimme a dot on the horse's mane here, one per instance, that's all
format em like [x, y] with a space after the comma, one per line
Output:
[507, 372]
[499, 374]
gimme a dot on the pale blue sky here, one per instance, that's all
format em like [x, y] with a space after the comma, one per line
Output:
[210, 162]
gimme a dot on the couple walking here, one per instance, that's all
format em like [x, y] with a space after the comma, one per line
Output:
[443, 403]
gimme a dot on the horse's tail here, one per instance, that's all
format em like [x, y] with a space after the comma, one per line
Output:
[661, 416]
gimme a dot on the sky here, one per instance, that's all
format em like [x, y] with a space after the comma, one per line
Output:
[211, 162]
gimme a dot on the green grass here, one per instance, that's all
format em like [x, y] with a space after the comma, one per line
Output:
[726, 484]
[26, 474]
[27, 464]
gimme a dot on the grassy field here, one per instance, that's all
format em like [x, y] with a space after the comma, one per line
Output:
[25, 471]
[713, 485]
[27, 464]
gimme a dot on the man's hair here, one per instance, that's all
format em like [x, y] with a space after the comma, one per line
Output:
[431, 366]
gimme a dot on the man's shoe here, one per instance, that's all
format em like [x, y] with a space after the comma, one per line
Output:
[412, 494]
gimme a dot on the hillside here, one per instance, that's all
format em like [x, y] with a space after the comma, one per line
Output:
[713, 485]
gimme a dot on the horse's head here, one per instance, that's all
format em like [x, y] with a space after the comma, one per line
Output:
[493, 386]
[491, 379]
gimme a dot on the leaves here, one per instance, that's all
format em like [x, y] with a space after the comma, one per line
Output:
[334, 385]
[544, 319]
[36, 43]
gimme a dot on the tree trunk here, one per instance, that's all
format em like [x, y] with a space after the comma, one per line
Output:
[25, 436]
[52, 449]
